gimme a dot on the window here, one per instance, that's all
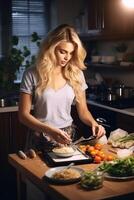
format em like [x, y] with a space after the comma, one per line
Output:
[30, 16]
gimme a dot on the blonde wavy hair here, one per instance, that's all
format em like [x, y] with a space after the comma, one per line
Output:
[46, 59]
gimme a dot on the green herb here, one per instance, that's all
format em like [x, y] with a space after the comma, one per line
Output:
[120, 167]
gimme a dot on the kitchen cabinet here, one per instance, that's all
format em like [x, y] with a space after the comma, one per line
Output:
[4, 140]
[95, 16]
[126, 122]
[18, 133]
[109, 19]
[81, 128]
[109, 118]
[12, 138]
[113, 119]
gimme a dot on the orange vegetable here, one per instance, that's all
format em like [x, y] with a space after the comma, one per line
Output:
[98, 146]
[109, 158]
[91, 148]
[97, 159]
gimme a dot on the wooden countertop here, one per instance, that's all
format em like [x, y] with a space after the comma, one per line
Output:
[34, 170]
[127, 111]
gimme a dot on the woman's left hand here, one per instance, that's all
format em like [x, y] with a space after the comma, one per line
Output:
[98, 130]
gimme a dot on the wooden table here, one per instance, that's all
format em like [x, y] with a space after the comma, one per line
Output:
[34, 170]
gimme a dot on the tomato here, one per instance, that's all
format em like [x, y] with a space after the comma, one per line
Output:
[98, 146]
[87, 147]
[82, 148]
[109, 158]
[93, 153]
[97, 159]
[101, 154]
[91, 148]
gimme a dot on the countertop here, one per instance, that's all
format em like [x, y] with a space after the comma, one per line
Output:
[127, 111]
[8, 109]
[34, 170]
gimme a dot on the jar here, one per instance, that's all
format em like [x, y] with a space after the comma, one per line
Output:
[92, 179]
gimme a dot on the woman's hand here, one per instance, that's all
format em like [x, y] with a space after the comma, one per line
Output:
[60, 136]
[98, 130]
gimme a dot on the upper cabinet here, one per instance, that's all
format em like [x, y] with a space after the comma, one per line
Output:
[95, 15]
[110, 19]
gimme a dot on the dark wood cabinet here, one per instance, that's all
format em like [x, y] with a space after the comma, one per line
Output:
[18, 133]
[105, 117]
[113, 119]
[12, 138]
[95, 16]
[110, 19]
[109, 118]
[4, 139]
[126, 122]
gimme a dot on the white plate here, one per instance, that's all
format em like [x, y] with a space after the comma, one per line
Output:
[50, 172]
[108, 176]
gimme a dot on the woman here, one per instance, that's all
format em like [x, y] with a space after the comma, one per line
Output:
[52, 85]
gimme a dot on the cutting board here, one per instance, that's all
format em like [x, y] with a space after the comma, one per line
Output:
[77, 158]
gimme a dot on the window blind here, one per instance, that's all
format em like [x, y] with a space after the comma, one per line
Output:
[30, 16]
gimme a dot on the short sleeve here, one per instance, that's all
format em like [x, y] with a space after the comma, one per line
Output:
[28, 81]
[84, 85]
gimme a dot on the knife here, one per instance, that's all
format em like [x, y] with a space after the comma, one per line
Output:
[82, 139]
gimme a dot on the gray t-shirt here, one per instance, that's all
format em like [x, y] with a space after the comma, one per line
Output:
[52, 107]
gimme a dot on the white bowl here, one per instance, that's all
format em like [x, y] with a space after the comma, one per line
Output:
[64, 151]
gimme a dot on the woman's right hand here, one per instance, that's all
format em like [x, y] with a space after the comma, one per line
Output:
[60, 136]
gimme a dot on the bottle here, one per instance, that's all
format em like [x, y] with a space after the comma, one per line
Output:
[111, 96]
[2, 103]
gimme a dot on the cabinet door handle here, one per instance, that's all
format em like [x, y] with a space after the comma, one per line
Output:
[101, 120]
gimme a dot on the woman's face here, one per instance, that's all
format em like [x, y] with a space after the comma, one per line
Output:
[64, 52]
